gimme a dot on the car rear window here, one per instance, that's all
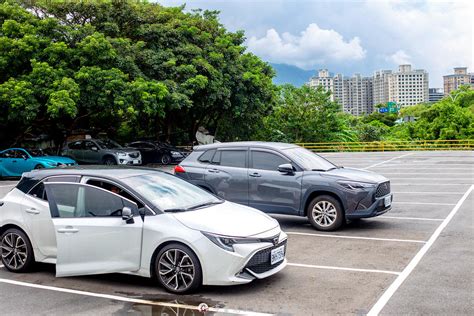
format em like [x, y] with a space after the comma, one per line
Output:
[206, 157]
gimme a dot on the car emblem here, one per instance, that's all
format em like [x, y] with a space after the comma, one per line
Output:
[275, 240]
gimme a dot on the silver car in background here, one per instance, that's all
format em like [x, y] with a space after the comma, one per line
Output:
[102, 152]
[287, 179]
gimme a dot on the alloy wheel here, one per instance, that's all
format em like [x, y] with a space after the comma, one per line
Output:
[324, 213]
[176, 270]
[14, 251]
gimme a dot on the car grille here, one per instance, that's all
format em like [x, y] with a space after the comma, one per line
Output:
[260, 262]
[133, 155]
[383, 189]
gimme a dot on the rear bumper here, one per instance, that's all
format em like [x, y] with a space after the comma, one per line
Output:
[376, 209]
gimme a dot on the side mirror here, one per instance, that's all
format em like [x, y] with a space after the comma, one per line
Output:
[286, 168]
[127, 215]
[94, 148]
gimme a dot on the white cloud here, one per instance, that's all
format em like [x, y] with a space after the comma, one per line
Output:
[313, 46]
[399, 57]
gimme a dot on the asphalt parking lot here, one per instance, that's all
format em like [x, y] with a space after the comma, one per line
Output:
[416, 259]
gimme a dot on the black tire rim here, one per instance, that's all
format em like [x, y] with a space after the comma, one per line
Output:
[176, 270]
[14, 251]
[109, 162]
[165, 159]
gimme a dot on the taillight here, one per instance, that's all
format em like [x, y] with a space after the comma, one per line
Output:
[179, 169]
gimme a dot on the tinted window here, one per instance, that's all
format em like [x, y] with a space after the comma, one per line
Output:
[207, 156]
[233, 158]
[88, 145]
[75, 145]
[266, 161]
[38, 192]
[115, 189]
[83, 201]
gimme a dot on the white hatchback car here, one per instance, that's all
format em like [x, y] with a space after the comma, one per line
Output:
[136, 220]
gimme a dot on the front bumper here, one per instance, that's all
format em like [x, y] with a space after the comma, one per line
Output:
[376, 209]
[239, 267]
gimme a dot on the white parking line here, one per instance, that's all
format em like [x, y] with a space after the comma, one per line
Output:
[432, 179]
[435, 184]
[7, 186]
[417, 173]
[341, 268]
[382, 301]
[357, 237]
[421, 203]
[385, 161]
[427, 192]
[413, 218]
[421, 168]
[127, 299]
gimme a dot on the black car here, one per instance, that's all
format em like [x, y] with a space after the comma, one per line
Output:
[157, 152]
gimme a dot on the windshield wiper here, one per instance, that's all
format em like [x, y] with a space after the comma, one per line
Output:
[205, 204]
[175, 210]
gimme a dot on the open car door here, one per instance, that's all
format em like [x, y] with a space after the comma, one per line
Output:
[95, 230]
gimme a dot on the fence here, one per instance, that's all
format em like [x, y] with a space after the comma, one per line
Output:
[465, 144]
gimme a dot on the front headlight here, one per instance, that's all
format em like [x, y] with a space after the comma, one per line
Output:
[227, 242]
[355, 185]
[121, 154]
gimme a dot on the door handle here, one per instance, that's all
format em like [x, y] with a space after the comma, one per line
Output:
[255, 175]
[68, 229]
[32, 210]
[213, 170]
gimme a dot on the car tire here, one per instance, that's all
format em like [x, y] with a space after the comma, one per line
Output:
[325, 213]
[109, 161]
[178, 269]
[165, 159]
[21, 257]
[39, 167]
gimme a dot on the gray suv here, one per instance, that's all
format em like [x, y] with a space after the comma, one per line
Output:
[287, 179]
[98, 151]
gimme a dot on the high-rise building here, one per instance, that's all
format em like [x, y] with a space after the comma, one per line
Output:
[323, 79]
[435, 94]
[459, 78]
[380, 86]
[408, 87]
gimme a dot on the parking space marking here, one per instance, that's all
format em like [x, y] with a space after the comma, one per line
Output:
[7, 186]
[416, 173]
[127, 299]
[422, 203]
[413, 218]
[342, 268]
[382, 301]
[357, 237]
[385, 161]
[427, 192]
[435, 184]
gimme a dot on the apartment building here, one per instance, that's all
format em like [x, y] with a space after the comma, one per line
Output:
[459, 78]
[408, 87]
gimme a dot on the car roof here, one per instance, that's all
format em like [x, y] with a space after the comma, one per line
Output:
[117, 172]
[272, 145]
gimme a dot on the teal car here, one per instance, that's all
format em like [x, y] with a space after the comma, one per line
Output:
[15, 161]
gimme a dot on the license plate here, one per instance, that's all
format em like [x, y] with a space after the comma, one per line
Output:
[135, 162]
[387, 201]
[277, 255]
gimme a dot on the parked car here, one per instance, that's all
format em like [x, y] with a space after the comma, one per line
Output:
[15, 161]
[157, 152]
[98, 151]
[99, 219]
[287, 179]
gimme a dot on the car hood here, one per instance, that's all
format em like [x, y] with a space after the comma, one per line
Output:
[354, 174]
[54, 159]
[228, 219]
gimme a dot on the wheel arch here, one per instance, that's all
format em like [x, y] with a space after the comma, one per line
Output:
[164, 244]
[105, 156]
[318, 192]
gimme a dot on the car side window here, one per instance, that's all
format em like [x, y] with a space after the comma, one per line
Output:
[77, 201]
[231, 158]
[115, 189]
[75, 145]
[88, 145]
[206, 157]
[265, 160]
[38, 192]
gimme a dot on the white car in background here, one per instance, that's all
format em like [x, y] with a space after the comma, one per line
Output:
[139, 221]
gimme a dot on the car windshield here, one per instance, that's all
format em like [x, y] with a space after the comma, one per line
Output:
[309, 160]
[36, 152]
[108, 144]
[169, 193]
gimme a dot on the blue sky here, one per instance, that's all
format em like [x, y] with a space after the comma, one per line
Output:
[353, 36]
